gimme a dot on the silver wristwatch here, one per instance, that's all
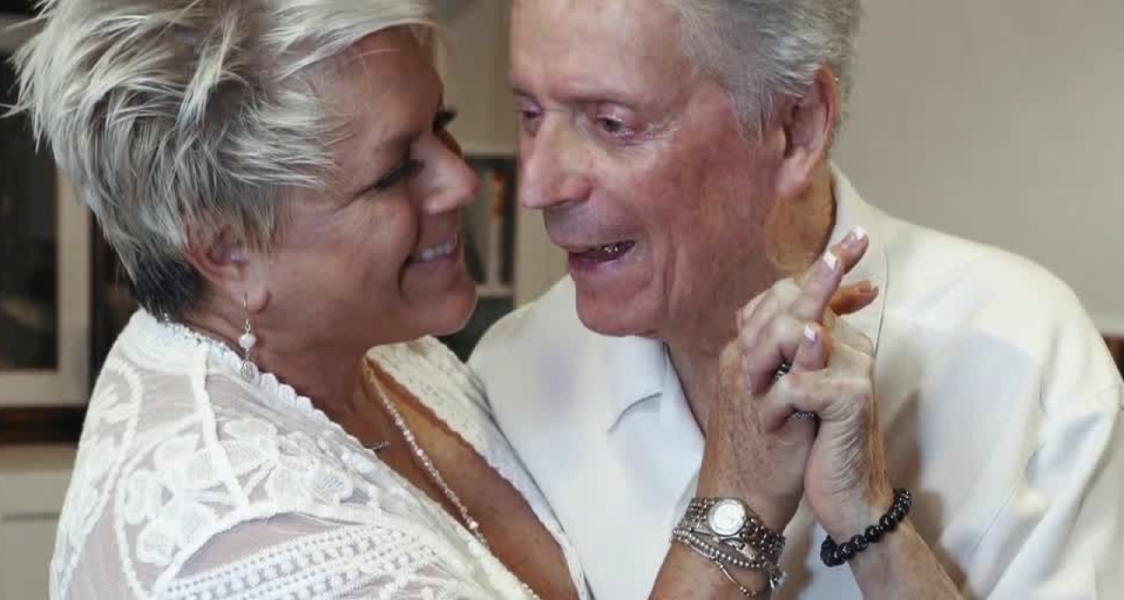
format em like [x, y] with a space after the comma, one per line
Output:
[731, 523]
[728, 517]
[728, 533]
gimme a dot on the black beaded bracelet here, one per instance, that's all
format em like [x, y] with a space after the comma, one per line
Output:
[834, 555]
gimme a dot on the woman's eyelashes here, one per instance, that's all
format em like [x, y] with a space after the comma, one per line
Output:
[445, 117]
[410, 166]
[400, 173]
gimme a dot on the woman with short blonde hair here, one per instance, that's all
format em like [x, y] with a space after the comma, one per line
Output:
[278, 182]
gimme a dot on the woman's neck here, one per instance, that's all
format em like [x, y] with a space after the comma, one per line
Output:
[329, 374]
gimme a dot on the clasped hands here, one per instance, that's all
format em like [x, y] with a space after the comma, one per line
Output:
[756, 448]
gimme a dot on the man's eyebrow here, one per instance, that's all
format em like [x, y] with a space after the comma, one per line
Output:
[586, 97]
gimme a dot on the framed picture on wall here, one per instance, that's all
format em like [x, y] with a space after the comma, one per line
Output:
[44, 263]
[1116, 348]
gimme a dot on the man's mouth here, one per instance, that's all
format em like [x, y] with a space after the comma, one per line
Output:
[435, 253]
[603, 253]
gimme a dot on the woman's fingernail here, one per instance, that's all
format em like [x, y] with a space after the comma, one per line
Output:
[854, 236]
[811, 335]
[830, 260]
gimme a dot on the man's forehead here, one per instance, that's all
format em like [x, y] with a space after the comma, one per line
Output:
[604, 19]
[591, 45]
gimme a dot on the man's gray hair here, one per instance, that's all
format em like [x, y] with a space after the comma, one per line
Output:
[170, 115]
[765, 51]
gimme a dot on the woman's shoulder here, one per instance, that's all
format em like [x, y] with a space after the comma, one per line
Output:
[429, 367]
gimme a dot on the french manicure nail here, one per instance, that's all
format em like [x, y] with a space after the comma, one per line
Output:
[811, 334]
[831, 260]
[856, 235]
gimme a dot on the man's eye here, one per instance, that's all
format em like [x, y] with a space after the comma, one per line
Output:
[398, 174]
[444, 118]
[529, 119]
[613, 127]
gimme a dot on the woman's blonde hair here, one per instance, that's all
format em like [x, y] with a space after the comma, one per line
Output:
[170, 115]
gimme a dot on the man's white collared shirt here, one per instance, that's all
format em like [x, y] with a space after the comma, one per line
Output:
[1000, 406]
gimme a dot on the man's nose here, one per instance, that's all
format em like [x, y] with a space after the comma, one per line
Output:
[554, 168]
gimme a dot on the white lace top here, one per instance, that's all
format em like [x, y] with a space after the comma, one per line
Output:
[193, 484]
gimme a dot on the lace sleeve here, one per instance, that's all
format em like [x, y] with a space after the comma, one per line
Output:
[300, 557]
[438, 355]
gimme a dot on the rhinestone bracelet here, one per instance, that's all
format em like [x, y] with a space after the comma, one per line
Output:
[834, 555]
[746, 592]
[723, 558]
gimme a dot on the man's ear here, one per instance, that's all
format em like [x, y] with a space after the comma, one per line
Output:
[232, 269]
[807, 125]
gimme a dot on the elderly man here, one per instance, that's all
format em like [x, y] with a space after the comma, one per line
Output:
[679, 151]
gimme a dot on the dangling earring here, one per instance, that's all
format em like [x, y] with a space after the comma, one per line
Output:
[247, 341]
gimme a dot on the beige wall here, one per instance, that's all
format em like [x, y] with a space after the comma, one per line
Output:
[476, 83]
[1001, 121]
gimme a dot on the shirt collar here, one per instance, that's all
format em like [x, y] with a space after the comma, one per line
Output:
[638, 367]
[852, 211]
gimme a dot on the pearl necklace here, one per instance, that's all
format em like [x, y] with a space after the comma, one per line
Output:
[424, 459]
[431, 469]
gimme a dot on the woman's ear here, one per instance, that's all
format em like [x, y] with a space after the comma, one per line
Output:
[807, 125]
[230, 266]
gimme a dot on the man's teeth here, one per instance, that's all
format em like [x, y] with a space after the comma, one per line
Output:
[607, 248]
[436, 252]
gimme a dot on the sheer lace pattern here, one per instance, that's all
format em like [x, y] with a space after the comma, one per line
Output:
[193, 484]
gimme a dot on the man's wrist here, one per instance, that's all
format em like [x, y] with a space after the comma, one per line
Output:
[835, 553]
[879, 555]
[852, 518]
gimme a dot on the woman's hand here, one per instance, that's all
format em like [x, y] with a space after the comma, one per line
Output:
[845, 479]
[832, 376]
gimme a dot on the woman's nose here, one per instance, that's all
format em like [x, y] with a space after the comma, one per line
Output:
[452, 183]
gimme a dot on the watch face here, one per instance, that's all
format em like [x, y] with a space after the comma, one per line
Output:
[727, 517]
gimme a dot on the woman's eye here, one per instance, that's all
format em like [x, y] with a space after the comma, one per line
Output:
[400, 173]
[444, 118]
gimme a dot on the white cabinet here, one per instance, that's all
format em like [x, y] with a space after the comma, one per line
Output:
[474, 68]
[33, 481]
